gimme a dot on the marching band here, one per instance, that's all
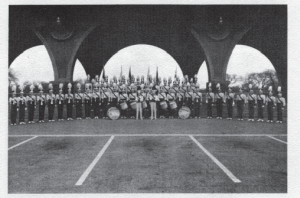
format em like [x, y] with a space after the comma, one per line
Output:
[135, 98]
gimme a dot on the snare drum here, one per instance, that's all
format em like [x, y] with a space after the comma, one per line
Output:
[163, 105]
[133, 105]
[113, 113]
[144, 104]
[173, 105]
[124, 105]
[184, 112]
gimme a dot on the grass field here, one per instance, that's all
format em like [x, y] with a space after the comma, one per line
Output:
[162, 156]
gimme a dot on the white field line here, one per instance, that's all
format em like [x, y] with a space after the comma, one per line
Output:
[91, 166]
[22, 142]
[277, 139]
[125, 135]
[228, 173]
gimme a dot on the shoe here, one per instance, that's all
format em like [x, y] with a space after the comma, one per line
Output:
[252, 120]
[268, 121]
[242, 119]
[221, 118]
[249, 119]
[271, 120]
[15, 123]
[11, 124]
[208, 117]
[280, 122]
[238, 119]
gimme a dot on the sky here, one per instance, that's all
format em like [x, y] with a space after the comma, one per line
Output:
[34, 64]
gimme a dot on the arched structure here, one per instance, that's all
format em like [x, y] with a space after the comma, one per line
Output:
[189, 33]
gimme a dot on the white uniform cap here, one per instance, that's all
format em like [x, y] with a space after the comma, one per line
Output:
[270, 88]
[279, 89]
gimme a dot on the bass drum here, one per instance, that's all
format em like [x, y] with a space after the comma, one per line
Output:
[184, 112]
[113, 113]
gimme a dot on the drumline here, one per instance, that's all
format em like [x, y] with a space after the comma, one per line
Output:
[120, 99]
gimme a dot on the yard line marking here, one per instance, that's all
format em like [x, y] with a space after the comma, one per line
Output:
[277, 139]
[97, 135]
[22, 142]
[228, 173]
[91, 166]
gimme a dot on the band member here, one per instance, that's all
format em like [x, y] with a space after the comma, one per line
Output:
[96, 100]
[177, 94]
[123, 102]
[220, 100]
[189, 98]
[31, 104]
[261, 100]
[171, 98]
[13, 101]
[22, 106]
[271, 104]
[153, 98]
[42, 102]
[101, 93]
[139, 99]
[252, 101]
[241, 100]
[197, 95]
[51, 103]
[146, 103]
[60, 103]
[209, 101]
[180, 96]
[229, 103]
[114, 96]
[105, 100]
[79, 102]
[69, 101]
[87, 101]
[280, 105]
[163, 112]
[132, 97]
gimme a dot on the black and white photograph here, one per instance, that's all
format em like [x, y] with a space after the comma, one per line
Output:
[147, 98]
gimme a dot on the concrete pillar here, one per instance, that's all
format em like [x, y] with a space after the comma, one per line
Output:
[62, 44]
[217, 42]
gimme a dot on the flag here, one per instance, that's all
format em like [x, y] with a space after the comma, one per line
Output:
[129, 75]
[156, 75]
[103, 74]
[148, 75]
[121, 73]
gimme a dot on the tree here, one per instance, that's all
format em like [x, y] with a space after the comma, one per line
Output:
[12, 77]
[266, 79]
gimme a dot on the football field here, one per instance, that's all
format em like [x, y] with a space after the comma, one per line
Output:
[161, 156]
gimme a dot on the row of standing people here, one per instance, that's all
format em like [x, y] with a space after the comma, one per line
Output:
[149, 101]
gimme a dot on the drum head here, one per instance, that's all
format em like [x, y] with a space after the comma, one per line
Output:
[133, 105]
[113, 113]
[184, 112]
[124, 106]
